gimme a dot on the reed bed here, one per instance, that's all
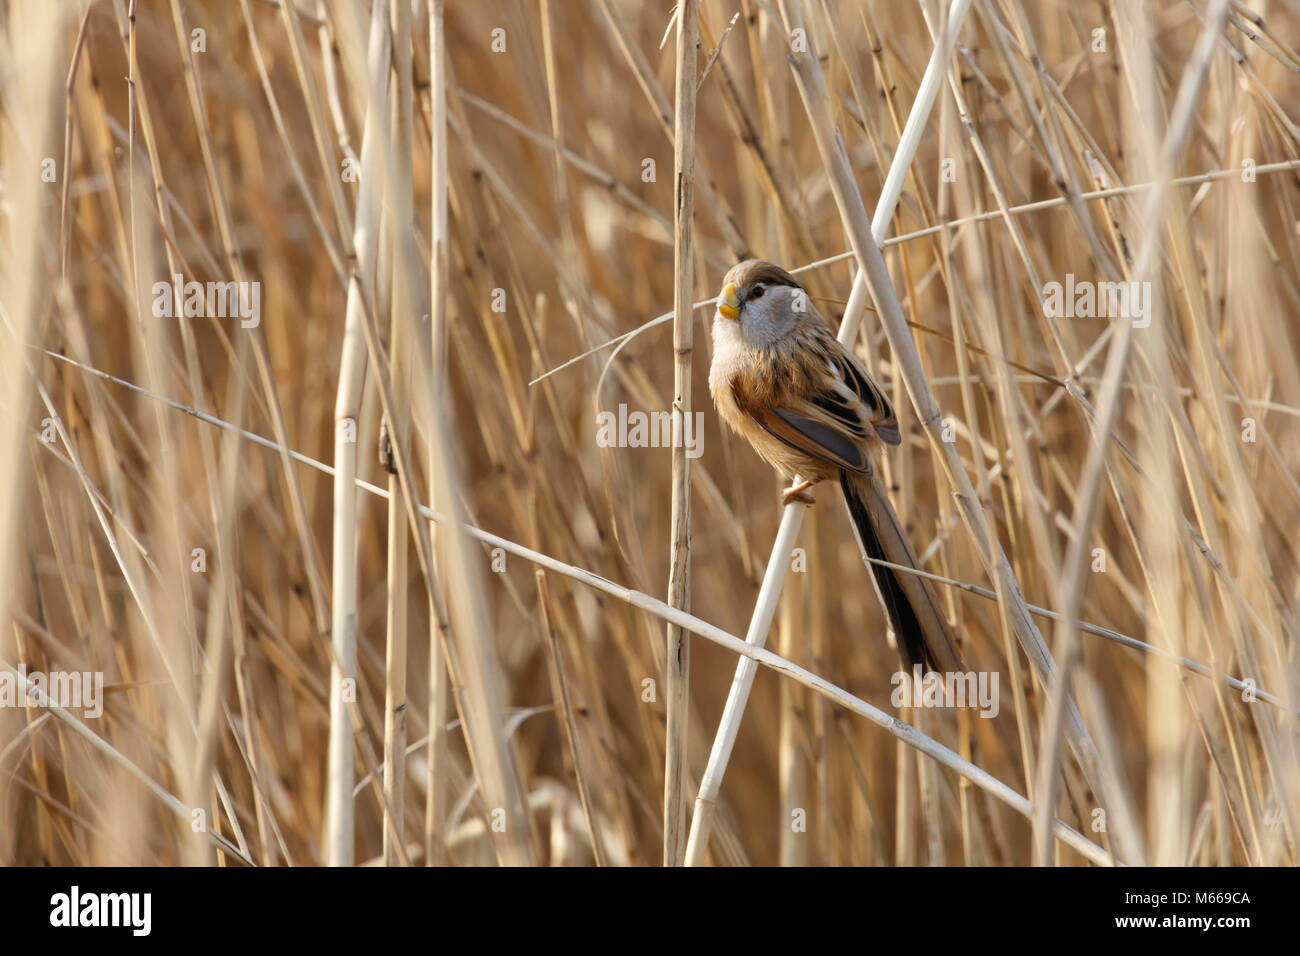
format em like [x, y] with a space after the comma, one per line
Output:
[375, 566]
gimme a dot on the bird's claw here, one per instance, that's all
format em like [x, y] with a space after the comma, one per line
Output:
[799, 493]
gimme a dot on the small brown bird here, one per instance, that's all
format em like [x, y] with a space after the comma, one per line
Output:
[806, 405]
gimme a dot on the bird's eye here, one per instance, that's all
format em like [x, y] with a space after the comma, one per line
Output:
[757, 292]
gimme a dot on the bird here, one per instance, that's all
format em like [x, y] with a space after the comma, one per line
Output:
[805, 403]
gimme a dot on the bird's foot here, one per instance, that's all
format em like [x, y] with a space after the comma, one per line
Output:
[798, 492]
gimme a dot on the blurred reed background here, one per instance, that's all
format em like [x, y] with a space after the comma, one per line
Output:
[292, 145]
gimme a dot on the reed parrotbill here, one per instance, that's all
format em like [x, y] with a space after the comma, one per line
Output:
[806, 404]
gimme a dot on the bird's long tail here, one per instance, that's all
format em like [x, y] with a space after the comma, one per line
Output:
[913, 608]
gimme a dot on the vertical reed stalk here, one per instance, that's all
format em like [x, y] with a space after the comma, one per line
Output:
[347, 409]
[676, 771]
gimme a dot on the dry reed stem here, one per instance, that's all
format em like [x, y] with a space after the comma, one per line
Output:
[30, 102]
[678, 653]
[347, 406]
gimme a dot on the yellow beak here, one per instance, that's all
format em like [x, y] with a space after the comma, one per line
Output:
[728, 302]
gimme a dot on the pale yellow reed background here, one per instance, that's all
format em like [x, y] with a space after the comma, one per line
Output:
[233, 163]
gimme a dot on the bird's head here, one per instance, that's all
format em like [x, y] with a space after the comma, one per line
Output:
[765, 299]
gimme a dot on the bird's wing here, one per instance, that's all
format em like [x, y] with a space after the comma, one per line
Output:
[880, 412]
[835, 424]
